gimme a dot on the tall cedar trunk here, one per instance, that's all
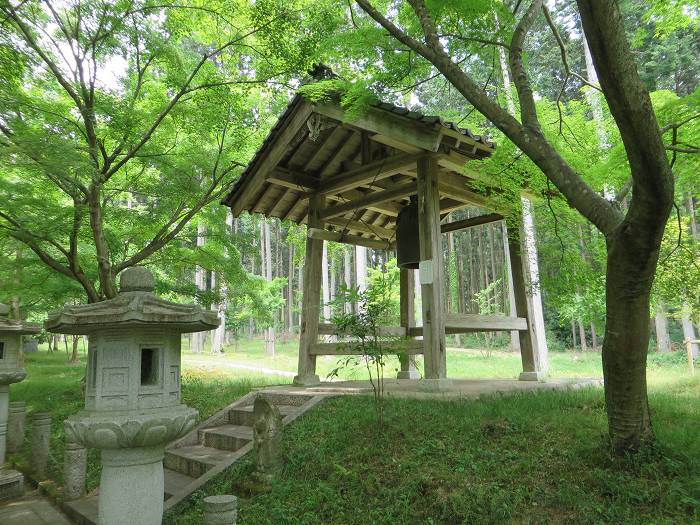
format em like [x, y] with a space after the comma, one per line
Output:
[573, 334]
[290, 290]
[326, 306]
[594, 337]
[582, 336]
[200, 278]
[347, 275]
[663, 340]
[74, 358]
[448, 273]
[266, 253]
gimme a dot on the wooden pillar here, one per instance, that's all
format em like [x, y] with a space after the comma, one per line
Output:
[431, 271]
[407, 291]
[534, 366]
[311, 298]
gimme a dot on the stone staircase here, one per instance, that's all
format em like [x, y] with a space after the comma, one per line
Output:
[213, 446]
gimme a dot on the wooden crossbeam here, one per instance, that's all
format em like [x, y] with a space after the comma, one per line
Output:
[484, 323]
[331, 329]
[359, 226]
[409, 347]
[376, 170]
[370, 199]
[471, 222]
[467, 323]
[308, 184]
[326, 235]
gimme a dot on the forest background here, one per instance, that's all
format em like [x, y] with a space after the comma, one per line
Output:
[174, 100]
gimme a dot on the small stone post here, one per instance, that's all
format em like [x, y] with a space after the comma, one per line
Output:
[11, 371]
[132, 393]
[74, 469]
[41, 435]
[15, 426]
[220, 510]
[267, 439]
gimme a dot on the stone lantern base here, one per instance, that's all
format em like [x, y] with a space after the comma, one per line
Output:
[131, 486]
[11, 484]
[132, 445]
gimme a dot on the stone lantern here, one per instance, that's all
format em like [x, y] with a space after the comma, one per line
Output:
[11, 371]
[132, 396]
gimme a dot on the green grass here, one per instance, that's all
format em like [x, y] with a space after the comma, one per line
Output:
[54, 385]
[534, 458]
[460, 363]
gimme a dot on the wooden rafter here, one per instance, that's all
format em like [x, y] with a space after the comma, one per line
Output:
[271, 158]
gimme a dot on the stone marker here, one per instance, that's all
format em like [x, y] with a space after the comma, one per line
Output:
[132, 393]
[30, 346]
[11, 371]
[74, 469]
[40, 441]
[220, 510]
[15, 426]
[267, 439]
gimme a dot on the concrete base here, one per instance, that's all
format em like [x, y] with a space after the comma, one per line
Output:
[532, 376]
[408, 374]
[131, 486]
[436, 385]
[11, 484]
[306, 380]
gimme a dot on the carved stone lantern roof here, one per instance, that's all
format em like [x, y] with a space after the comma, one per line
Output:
[15, 327]
[135, 306]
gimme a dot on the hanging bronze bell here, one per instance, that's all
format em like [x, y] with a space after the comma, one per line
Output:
[407, 237]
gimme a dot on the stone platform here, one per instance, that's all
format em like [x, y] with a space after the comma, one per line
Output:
[31, 509]
[441, 388]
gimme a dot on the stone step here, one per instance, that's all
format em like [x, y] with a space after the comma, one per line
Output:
[244, 415]
[195, 460]
[226, 437]
[82, 511]
[288, 398]
[174, 481]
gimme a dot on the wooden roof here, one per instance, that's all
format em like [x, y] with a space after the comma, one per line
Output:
[365, 167]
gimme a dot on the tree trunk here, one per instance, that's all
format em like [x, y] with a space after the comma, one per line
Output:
[74, 358]
[594, 337]
[290, 290]
[630, 274]
[347, 275]
[267, 272]
[663, 341]
[582, 336]
[200, 282]
[689, 333]
[573, 334]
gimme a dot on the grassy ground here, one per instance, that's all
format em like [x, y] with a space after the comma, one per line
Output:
[536, 458]
[531, 459]
[460, 363]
